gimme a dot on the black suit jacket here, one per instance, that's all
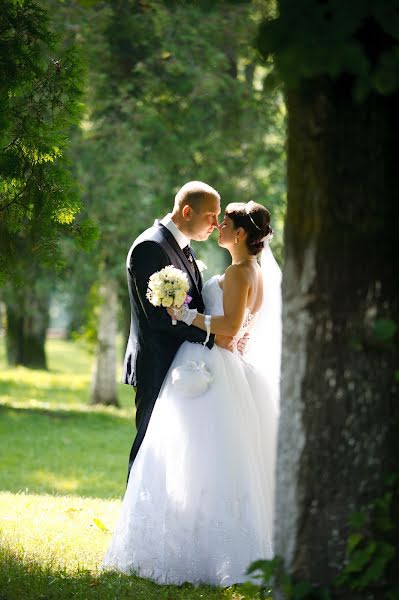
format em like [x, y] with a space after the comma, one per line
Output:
[157, 339]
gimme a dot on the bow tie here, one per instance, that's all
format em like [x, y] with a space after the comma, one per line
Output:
[187, 252]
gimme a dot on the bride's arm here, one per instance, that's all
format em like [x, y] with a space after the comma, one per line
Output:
[235, 297]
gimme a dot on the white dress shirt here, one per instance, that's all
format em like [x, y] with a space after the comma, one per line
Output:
[180, 238]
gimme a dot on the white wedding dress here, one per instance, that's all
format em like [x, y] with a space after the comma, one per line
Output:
[199, 502]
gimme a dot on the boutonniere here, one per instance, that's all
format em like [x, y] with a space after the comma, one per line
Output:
[201, 265]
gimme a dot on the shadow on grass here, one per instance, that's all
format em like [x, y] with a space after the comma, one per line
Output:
[27, 579]
[20, 391]
[90, 414]
[53, 388]
[51, 450]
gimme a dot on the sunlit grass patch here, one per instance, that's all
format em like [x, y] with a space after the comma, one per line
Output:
[52, 547]
[66, 532]
[65, 384]
[51, 439]
[49, 451]
[22, 579]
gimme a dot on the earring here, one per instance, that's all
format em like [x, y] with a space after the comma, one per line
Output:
[235, 240]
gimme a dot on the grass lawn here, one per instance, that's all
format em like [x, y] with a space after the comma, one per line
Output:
[63, 469]
[59, 443]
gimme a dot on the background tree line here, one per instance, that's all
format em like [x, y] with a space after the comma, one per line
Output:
[166, 101]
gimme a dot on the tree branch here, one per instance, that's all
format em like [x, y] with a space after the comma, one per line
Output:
[11, 143]
[19, 193]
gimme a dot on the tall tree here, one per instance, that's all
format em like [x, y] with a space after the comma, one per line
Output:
[40, 98]
[28, 314]
[338, 440]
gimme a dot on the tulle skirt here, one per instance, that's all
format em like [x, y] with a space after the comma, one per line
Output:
[199, 501]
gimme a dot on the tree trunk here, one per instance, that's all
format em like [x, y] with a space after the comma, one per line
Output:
[337, 439]
[27, 311]
[104, 374]
[2, 318]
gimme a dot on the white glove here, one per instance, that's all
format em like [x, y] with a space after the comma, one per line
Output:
[185, 314]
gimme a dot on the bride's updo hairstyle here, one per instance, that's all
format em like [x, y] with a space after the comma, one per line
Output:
[254, 219]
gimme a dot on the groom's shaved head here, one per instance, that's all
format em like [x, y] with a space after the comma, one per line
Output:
[196, 210]
[193, 193]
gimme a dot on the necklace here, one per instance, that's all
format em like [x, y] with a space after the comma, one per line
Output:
[244, 260]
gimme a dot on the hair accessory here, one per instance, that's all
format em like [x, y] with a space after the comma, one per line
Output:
[268, 238]
[249, 215]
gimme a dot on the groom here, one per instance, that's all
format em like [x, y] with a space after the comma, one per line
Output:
[153, 340]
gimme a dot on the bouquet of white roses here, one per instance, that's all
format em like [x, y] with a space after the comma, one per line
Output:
[168, 287]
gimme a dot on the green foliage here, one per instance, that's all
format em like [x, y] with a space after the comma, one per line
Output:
[174, 93]
[378, 335]
[167, 105]
[84, 329]
[372, 558]
[40, 97]
[359, 40]
[272, 574]
[385, 330]
[370, 550]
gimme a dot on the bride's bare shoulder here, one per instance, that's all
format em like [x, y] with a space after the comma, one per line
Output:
[240, 269]
[236, 273]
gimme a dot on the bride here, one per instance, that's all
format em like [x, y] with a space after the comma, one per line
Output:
[199, 501]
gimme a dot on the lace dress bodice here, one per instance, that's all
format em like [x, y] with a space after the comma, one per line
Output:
[212, 295]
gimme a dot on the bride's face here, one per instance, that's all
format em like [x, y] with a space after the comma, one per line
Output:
[227, 232]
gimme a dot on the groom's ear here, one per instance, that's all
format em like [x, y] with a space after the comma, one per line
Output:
[186, 212]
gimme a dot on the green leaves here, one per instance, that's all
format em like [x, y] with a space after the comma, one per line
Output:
[369, 549]
[265, 569]
[167, 105]
[367, 564]
[272, 574]
[385, 329]
[313, 39]
[358, 519]
[370, 552]
[40, 98]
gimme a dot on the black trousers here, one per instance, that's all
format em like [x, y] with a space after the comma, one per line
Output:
[146, 396]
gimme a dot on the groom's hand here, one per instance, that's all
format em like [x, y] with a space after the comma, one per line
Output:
[226, 342]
